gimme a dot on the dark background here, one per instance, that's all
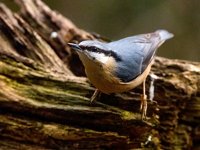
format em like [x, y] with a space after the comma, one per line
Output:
[116, 19]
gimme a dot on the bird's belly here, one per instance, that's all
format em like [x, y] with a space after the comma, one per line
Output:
[102, 83]
[106, 84]
[105, 81]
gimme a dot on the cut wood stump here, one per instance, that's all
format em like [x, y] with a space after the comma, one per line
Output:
[45, 96]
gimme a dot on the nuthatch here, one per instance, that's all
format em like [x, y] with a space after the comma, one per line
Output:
[121, 65]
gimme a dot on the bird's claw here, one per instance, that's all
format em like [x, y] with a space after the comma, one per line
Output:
[143, 107]
[95, 96]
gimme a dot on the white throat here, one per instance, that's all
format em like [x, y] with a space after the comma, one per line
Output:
[101, 57]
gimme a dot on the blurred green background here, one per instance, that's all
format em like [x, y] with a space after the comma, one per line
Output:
[116, 19]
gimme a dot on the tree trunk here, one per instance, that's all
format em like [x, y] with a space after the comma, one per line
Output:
[44, 95]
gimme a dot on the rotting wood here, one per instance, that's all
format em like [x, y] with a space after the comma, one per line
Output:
[44, 105]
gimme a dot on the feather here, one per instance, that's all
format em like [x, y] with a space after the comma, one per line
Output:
[136, 53]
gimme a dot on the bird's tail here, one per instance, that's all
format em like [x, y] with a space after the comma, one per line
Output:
[165, 35]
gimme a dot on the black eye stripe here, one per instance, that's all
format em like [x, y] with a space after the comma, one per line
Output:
[98, 50]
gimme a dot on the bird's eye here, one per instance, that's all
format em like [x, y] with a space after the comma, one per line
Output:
[82, 47]
[109, 54]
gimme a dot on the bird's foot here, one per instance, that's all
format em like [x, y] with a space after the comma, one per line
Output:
[143, 107]
[95, 96]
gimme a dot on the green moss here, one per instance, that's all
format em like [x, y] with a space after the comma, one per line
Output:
[126, 115]
[10, 71]
[53, 95]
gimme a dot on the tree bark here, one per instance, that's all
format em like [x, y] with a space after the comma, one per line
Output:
[45, 96]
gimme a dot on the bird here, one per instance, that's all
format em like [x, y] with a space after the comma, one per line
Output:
[121, 65]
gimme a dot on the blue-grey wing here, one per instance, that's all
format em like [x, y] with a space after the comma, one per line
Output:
[136, 53]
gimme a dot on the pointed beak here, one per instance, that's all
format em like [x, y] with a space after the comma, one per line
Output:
[74, 46]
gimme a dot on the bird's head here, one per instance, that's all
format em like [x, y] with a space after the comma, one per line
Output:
[95, 50]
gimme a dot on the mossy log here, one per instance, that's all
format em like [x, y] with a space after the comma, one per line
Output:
[44, 94]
